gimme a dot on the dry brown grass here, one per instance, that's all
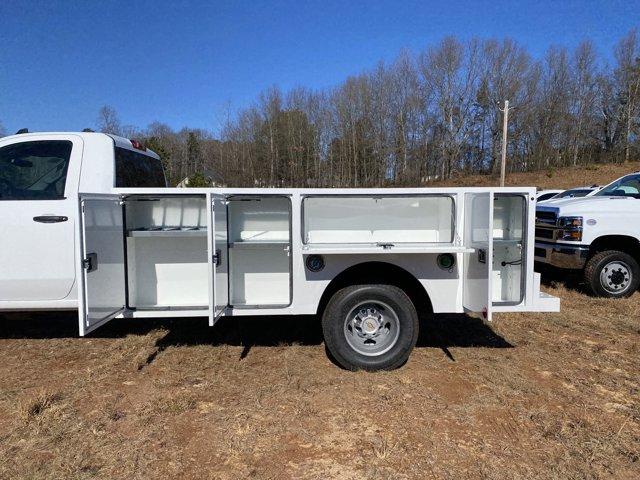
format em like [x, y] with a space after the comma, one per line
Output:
[530, 396]
[35, 405]
[564, 178]
[545, 396]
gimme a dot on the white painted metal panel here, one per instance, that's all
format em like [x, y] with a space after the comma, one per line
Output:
[259, 219]
[260, 275]
[509, 248]
[101, 261]
[218, 243]
[478, 234]
[166, 212]
[386, 249]
[168, 271]
[380, 218]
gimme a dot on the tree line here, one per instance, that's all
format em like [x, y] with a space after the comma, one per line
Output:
[430, 115]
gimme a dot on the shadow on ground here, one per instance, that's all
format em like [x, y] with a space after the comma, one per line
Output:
[570, 279]
[437, 331]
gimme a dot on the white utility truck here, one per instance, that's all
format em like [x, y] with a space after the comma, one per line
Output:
[88, 224]
[598, 234]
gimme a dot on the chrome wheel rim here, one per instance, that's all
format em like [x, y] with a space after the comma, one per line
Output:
[371, 328]
[616, 277]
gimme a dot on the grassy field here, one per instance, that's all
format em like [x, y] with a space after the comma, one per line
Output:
[536, 395]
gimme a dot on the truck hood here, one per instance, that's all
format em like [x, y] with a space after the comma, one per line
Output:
[591, 205]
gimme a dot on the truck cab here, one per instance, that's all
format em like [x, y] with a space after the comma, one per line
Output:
[597, 235]
[40, 177]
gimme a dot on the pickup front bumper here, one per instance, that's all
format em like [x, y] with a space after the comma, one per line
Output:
[561, 255]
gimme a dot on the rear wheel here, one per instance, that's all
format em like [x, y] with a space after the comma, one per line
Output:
[370, 327]
[612, 274]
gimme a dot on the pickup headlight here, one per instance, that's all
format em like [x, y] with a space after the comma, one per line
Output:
[569, 228]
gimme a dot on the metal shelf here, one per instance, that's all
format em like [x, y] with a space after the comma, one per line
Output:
[168, 232]
[258, 243]
[505, 241]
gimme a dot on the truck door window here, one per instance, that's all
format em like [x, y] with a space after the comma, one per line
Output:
[138, 170]
[34, 170]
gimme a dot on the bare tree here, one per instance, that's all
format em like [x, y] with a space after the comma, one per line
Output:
[108, 121]
[422, 116]
[627, 74]
[583, 98]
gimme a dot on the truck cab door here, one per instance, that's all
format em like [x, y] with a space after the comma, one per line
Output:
[478, 235]
[100, 261]
[38, 204]
[218, 257]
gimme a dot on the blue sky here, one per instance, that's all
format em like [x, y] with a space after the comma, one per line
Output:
[187, 63]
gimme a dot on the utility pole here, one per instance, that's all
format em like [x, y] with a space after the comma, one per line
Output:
[505, 124]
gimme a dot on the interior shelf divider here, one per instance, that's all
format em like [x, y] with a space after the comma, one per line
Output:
[168, 232]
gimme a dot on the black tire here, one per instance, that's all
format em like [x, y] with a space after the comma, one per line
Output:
[345, 302]
[623, 280]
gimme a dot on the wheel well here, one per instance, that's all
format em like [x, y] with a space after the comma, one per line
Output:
[623, 243]
[379, 273]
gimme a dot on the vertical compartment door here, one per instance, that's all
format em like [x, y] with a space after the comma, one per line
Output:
[100, 261]
[218, 257]
[478, 235]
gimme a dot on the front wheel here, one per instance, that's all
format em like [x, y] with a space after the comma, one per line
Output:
[612, 274]
[370, 327]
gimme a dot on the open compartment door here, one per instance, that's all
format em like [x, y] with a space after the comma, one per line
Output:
[478, 235]
[218, 257]
[100, 261]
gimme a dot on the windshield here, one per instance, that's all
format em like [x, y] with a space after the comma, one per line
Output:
[577, 192]
[546, 196]
[628, 186]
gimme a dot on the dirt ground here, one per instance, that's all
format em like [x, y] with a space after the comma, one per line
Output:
[527, 396]
[548, 396]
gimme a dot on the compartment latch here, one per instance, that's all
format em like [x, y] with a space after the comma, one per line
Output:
[90, 263]
[217, 257]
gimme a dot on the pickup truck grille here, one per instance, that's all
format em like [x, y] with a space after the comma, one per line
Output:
[546, 224]
[546, 233]
[544, 217]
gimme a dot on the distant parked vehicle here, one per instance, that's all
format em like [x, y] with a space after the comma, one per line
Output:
[598, 235]
[543, 195]
[578, 192]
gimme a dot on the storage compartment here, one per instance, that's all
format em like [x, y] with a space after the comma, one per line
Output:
[382, 219]
[509, 212]
[259, 251]
[167, 252]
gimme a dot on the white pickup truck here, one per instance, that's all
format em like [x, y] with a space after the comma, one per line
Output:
[88, 224]
[598, 235]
